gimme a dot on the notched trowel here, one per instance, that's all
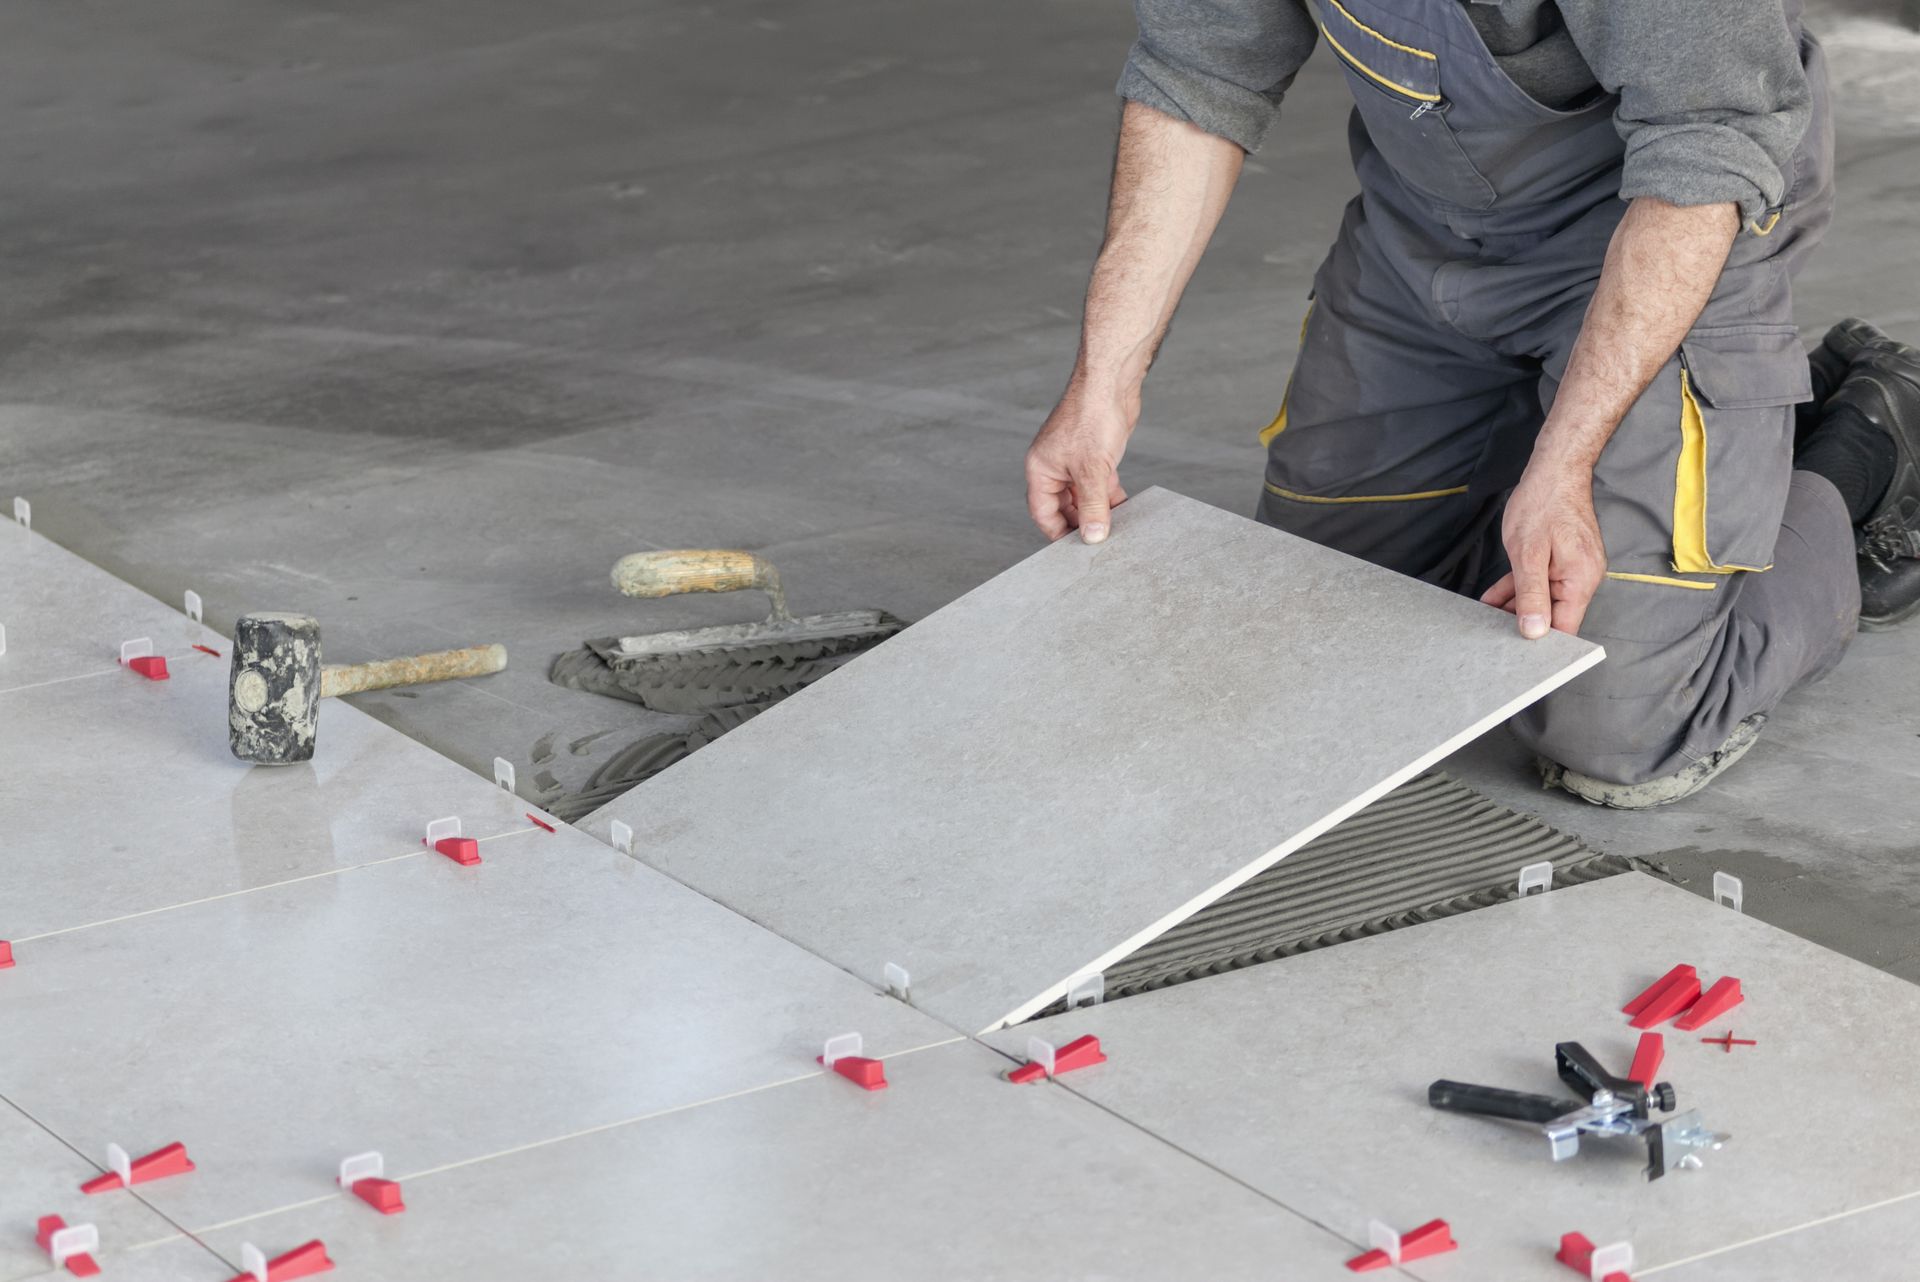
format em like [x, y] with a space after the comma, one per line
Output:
[697, 669]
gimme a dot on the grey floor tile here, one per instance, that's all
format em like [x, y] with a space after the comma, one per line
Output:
[432, 1011]
[1307, 1078]
[66, 618]
[39, 1176]
[1877, 1245]
[176, 1259]
[1052, 770]
[119, 795]
[950, 1173]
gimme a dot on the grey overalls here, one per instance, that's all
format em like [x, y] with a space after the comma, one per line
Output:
[1441, 325]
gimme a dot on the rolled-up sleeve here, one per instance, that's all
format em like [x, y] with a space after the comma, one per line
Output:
[1221, 64]
[1713, 98]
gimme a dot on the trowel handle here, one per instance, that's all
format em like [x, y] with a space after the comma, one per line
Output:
[445, 665]
[658, 574]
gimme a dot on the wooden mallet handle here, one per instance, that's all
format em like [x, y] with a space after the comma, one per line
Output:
[446, 665]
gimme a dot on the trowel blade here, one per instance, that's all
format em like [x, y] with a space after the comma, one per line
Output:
[849, 624]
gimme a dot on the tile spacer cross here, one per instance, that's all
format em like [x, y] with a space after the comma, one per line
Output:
[1728, 1042]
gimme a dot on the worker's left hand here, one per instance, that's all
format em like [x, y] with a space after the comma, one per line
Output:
[1553, 541]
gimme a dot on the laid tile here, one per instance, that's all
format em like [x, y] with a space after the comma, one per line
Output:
[1308, 1077]
[175, 1259]
[39, 1176]
[1879, 1243]
[66, 617]
[119, 795]
[949, 1173]
[1068, 760]
[425, 1009]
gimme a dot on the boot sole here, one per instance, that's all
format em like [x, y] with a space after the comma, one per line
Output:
[1887, 622]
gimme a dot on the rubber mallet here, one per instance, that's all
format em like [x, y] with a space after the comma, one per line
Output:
[277, 682]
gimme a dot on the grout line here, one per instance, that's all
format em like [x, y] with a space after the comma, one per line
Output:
[210, 899]
[182, 657]
[249, 890]
[41, 685]
[178, 1235]
[1777, 1233]
[559, 1139]
[1274, 1199]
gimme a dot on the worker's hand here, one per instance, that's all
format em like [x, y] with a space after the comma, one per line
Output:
[1553, 542]
[1073, 465]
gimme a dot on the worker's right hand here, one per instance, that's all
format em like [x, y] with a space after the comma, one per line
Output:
[1073, 465]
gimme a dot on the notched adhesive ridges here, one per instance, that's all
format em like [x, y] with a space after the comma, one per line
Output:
[1431, 848]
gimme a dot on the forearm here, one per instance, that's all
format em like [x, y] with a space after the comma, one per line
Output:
[1171, 182]
[1660, 269]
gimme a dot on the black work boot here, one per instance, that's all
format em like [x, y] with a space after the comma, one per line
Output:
[1826, 368]
[1882, 385]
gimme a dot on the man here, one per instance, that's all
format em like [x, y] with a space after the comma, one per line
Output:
[1550, 359]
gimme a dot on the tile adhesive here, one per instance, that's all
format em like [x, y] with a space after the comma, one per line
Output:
[1431, 848]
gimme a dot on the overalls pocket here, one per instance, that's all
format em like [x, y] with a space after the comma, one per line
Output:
[1738, 387]
[1396, 87]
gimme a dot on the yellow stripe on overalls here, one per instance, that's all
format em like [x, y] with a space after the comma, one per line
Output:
[1364, 498]
[1661, 579]
[1394, 44]
[1690, 554]
[1365, 70]
[1279, 423]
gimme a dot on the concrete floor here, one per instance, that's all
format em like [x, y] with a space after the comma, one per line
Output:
[417, 315]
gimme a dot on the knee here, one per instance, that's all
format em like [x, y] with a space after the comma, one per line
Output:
[1614, 737]
[1631, 717]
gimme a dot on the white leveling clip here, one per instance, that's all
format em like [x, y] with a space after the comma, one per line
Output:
[1536, 877]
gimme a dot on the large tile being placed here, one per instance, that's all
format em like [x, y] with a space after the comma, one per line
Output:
[431, 1011]
[119, 795]
[41, 1176]
[1307, 1078]
[950, 1173]
[1042, 776]
[66, 617]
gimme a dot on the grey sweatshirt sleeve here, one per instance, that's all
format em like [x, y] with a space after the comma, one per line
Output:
[1713, 99]
[1222, 64]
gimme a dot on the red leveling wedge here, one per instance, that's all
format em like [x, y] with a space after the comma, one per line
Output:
[81, 1266]
[157, 1165]
[1432, 1238]
[1669, 995]
[1081, 1052]
[1576, 1252]
[868, 1074]
[382, 1195]
[1646, 1059]
[302, 1262]
[1715, 1002]
[462, 850]
[842, 1055]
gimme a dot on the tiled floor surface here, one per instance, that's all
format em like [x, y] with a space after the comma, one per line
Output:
[570, 1060]
[417, 316]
